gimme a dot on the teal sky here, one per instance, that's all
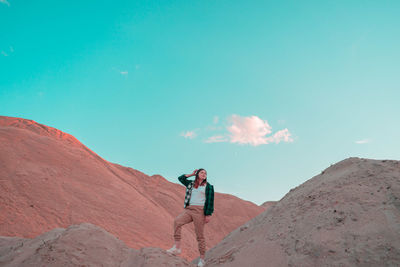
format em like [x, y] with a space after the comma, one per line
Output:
[150, 84]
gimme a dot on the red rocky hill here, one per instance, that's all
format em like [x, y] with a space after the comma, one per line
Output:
[48, 179]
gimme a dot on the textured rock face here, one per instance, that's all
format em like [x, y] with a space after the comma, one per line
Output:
[349, 215]
[268, 204]
[48, 179]
[80, 245]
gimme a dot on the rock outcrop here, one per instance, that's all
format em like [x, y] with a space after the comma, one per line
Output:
[81, 245]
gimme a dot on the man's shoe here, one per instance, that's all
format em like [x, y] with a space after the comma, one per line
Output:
[174, 250]
[201, 263]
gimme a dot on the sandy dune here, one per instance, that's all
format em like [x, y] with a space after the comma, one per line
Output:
[349, 215]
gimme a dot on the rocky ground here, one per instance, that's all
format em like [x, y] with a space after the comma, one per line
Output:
[80, 245]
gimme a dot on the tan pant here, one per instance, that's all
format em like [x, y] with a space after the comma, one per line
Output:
[189, 214]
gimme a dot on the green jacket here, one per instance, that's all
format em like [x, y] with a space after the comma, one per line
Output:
[208, 204]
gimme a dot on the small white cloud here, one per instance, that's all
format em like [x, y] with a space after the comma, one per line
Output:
[282, 135]
[122, 72]
[216, 139]
[363, 141]
[189, 134]
[137, 66]
[253, 130]
[4, 53]
[248, 130]
[243, 130]
[11, 49]
[5, 2]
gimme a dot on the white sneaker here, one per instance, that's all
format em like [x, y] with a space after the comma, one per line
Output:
[174, 250]
[201, 263]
